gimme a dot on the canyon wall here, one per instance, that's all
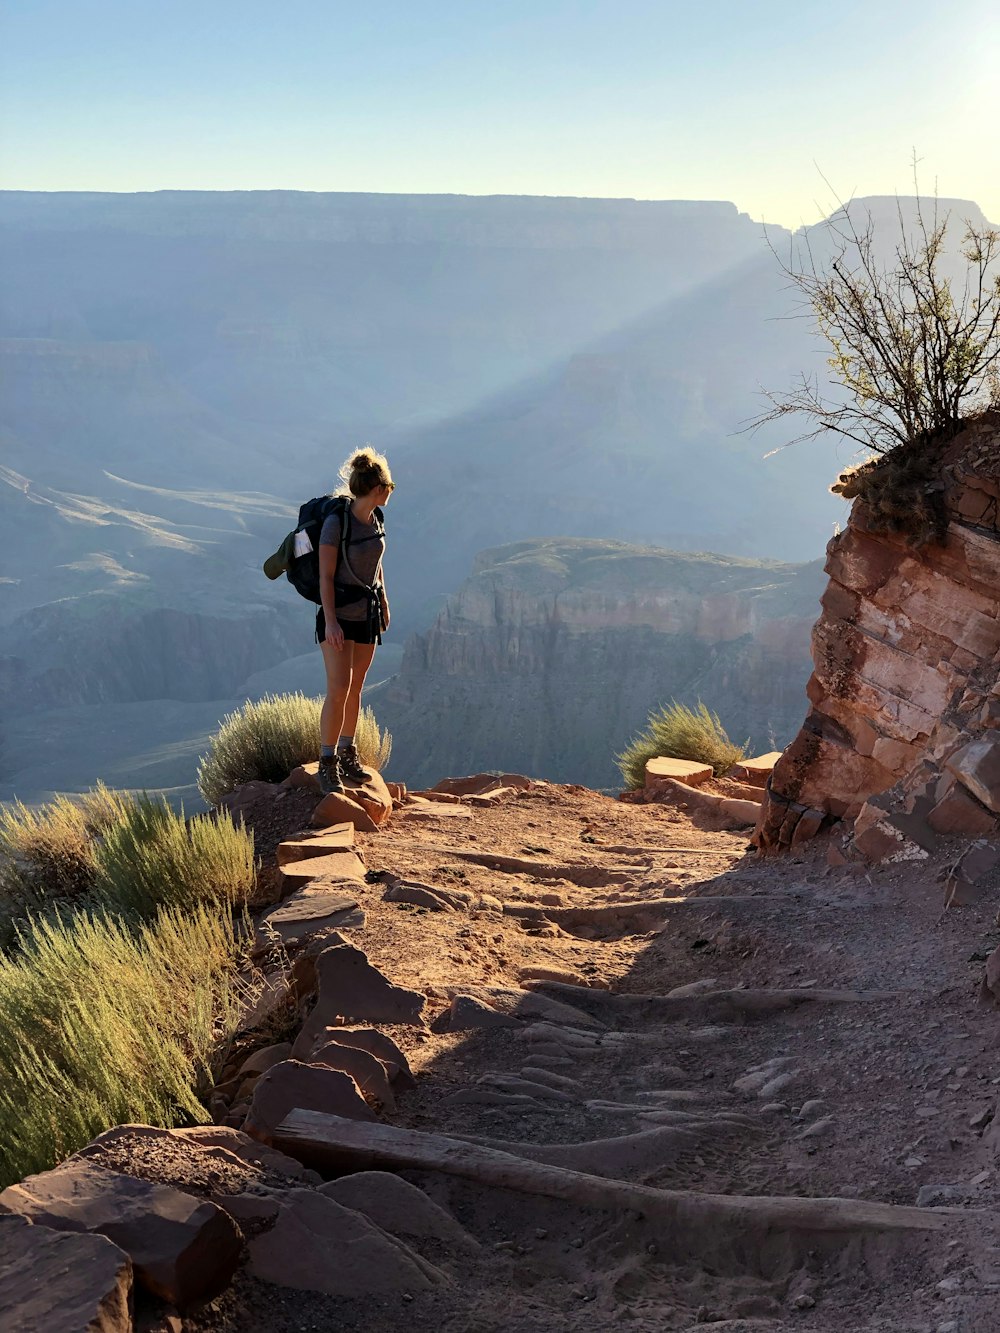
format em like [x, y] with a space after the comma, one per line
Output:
[900, 741]
[550, 657]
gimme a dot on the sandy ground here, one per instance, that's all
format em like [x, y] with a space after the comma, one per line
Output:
[868, 1097]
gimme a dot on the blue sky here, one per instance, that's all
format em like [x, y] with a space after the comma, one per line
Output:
[709, 100]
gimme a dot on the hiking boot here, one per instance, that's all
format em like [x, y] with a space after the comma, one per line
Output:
[329, 776]
[350, 766]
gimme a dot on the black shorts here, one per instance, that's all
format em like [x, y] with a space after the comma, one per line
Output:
[355, 631]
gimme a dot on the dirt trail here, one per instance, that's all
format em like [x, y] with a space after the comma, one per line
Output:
[736, 1028]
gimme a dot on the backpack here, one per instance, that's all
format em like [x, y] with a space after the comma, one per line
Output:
[298, 555]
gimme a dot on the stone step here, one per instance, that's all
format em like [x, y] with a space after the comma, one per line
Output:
[341, 864]
[332, 839]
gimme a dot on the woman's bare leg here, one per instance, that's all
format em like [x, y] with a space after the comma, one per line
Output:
[363, 654]
[339, 678]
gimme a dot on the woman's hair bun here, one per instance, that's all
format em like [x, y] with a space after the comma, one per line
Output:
[364, 470]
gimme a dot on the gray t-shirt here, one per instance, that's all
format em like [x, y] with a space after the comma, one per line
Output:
[364, 551]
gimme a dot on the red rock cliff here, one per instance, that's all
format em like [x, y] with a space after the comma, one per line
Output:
[901, 734]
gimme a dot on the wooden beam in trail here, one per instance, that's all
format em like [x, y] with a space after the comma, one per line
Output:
[712, 1227]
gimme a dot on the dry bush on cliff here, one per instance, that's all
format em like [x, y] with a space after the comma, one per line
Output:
[153, 857]
[100, 1026]
[915, 352]
[47, 856]
[265, 739]
[679, 732]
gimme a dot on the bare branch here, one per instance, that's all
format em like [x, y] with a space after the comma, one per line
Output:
[912, 359]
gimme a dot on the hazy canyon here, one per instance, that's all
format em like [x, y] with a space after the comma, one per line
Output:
[181, 369]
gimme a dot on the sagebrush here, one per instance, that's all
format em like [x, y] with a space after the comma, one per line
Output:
[676, 731]
[265, 739]
[153, 857]
[102, 1025]
[47, 855]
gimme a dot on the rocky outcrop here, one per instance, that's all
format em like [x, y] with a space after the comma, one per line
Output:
[900, 737]
[553, 653]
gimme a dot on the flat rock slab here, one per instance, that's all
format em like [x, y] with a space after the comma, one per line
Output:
[477, 784]
[316, 1244]
[689, 772]
[422, 811]
[399, 1208]
[467, 1014]
[341, 864]
[62, 1282]
[183, 1249]
[327, 841]
[310, 911]
[528, 1005]
[483, 800]
[757, 770]
[427, 895]
[293, 1085]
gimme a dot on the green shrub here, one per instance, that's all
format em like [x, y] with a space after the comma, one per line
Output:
[152, 857]
[679, 732]
[374, 744]
[47, 856]
[265, 739]
[100, 1026]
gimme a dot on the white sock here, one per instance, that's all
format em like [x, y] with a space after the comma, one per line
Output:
[344, 742]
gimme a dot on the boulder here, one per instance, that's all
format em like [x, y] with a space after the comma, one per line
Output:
[351, 988]
[977, 767]
[374, 796]
[957, 814]
[963, 884]
[679, 770]
[262, 1060]
[368, 1072]
[318, 1245]
[183, 1249]
[339, 809]
[363, 1039]
[441, 797]
[62, 1282]
[307, 1087]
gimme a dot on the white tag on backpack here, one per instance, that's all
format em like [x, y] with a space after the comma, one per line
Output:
[303, 545]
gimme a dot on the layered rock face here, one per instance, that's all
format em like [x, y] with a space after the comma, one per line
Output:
[549, 658]
[905, 698]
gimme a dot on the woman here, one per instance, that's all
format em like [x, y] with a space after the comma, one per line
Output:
[353, 613]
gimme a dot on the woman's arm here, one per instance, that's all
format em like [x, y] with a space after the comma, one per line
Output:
[327, 573]
[385, 605]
